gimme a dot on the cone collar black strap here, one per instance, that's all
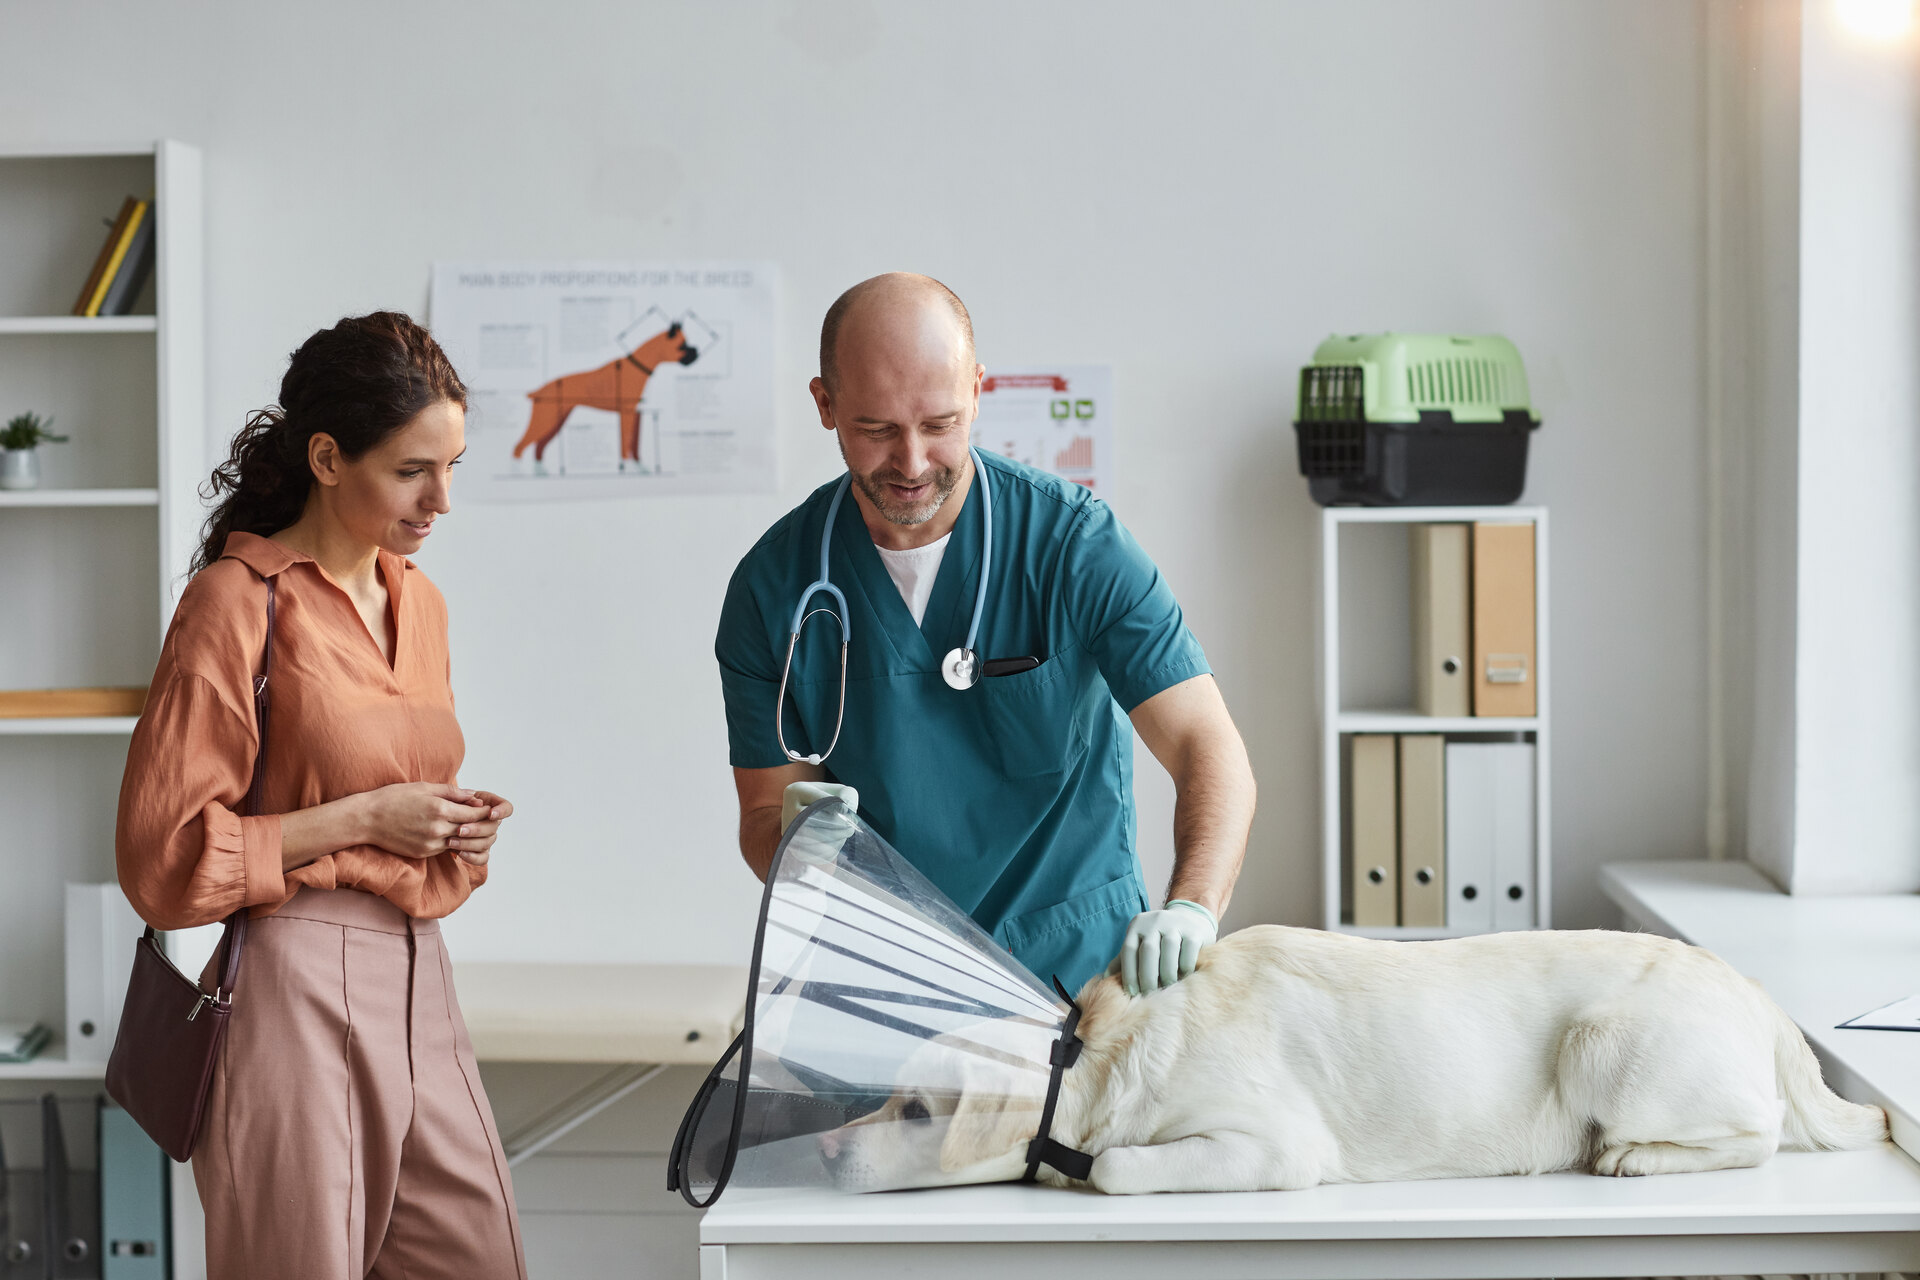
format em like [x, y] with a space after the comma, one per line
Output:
[1043, 1149]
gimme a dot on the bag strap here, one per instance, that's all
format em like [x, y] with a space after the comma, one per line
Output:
[256, 791]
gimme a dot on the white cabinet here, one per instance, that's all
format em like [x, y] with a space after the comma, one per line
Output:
[1366, 681]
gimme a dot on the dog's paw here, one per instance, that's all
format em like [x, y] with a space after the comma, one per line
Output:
[1608, 1163]
[1121, 1171]
[1631, 1160]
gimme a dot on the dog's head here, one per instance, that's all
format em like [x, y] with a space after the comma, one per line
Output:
[966, 1119]
[669, 347]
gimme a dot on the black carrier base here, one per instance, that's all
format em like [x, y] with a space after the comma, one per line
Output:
[1434, 462]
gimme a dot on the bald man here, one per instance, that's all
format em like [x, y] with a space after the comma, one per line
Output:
[1007, 777]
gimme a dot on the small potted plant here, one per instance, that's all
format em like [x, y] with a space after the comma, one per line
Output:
[19, 464]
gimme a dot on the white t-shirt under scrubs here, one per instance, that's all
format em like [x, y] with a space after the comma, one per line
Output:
[913, 571]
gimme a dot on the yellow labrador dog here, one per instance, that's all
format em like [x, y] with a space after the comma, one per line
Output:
[1292, 1057]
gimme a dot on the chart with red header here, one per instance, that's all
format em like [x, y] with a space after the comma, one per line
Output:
[1058, 418]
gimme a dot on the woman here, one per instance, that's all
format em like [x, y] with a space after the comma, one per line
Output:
[347, 1132]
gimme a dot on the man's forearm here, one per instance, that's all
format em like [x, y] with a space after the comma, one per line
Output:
[759, 837]
[1211, 819]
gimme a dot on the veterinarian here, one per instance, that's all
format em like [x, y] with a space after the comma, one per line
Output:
[1009, 784]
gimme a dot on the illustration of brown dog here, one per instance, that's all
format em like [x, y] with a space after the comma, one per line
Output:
[616, 385]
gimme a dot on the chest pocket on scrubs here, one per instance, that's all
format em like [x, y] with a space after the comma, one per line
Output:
[1033, 719]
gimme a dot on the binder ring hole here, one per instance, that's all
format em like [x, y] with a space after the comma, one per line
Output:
[1424, 876]
[1469, 893]
[1377, 875]
[1515, 892]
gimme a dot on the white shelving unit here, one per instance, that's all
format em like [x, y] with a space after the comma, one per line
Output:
[96, 557]
[1366, 676]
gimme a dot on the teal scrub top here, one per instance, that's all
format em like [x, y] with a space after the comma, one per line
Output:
[1015, 797]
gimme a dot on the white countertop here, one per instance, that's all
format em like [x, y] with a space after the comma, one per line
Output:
[1823, 959]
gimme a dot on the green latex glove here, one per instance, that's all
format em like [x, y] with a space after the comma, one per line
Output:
[799, 795]
[1162, 946]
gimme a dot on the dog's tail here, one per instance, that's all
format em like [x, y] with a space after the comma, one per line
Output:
[1817, 1119]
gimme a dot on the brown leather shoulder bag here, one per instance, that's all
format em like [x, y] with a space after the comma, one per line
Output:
[171, 1030]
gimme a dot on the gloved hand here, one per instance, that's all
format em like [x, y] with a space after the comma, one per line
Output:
[799, 795]
[1162, 946]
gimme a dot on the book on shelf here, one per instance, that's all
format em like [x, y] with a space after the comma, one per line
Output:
[1503, 621]
[1442, 632]
[22, 1041]
[1490, 835]
[1373, 820]
[135, 267]
[1423, 830]
[123, 264]
[114, 228]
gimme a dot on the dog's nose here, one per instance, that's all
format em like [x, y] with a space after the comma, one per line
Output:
[830, 1146]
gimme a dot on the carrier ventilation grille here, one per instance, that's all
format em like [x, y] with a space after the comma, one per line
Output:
[1439, 383]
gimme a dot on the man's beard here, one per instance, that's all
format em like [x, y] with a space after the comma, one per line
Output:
[944, 480]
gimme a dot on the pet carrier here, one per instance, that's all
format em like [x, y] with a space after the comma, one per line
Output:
[1405, 419]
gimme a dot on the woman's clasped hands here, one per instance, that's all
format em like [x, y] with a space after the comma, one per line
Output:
[426, 819]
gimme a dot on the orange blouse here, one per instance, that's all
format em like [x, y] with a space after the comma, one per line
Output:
[341, 721]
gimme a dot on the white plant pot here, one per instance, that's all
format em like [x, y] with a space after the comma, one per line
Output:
[19, 469]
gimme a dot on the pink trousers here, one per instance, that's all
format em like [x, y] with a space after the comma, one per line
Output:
[347, 1134]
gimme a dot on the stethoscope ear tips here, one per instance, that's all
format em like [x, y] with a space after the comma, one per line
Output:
[960, 669]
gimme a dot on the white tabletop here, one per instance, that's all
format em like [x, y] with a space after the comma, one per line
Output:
[1855, 1191]
[1824, 959]
[1799, 1212]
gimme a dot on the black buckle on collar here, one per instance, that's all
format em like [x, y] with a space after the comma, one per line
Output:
[1043, 1149]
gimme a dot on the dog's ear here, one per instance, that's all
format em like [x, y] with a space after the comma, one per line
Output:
[988, 1123]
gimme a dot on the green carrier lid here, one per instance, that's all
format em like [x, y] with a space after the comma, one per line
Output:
[1394, 377]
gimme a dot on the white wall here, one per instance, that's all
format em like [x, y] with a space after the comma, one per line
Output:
[1753, 298]
[1197, 195]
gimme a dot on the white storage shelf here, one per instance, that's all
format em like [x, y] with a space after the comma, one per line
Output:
[1338, 720]
[22, 725]
[56, 325]
[101, 549]
[52, 1063]
[79, 497]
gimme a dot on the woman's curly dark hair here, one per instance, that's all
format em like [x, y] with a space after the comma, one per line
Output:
[359, 382]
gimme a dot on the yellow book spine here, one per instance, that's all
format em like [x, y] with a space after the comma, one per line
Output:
[106, 251]
[113, 263]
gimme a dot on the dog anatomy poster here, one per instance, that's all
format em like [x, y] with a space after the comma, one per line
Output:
[1058, 418]
[610, 379]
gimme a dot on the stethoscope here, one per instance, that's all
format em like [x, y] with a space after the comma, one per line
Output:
[960, 668]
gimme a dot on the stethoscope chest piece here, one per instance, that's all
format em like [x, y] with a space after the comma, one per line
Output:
[960, 668]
